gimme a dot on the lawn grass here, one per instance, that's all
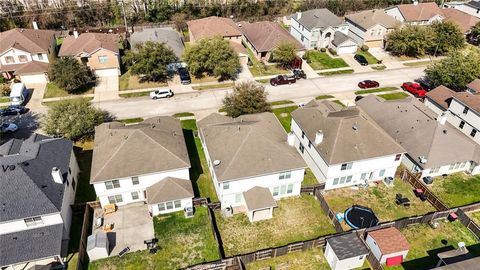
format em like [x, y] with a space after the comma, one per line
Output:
[324, 97]
[321, 60]
[283, 115]
[128, 81]
[338, 72]
[281, 102]
[183, 242]
[475, 216]
[457, 189]
[339, 103]
[381, 199]
[183, 114]
[132, 120]
[309, 179]
[203, 79]
[426, 242]
[52, 90]
[376, 90]
[370, 58]
[263, 80]
[418, 64]
[295, 219]
[213, 86]
[378, 67]
[4, 99]
[310, 259]
[199, 173]
[136, 94]
[51, 103]
[392, 96]
[258, 68]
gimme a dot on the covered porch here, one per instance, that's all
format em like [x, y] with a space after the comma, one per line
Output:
[259, 203]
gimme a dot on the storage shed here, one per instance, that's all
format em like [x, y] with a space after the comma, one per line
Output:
[388, 245]
[97, 246]
[345, 252]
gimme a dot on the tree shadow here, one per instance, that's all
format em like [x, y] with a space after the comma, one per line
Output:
[27, 123]
[85, 191]
[196, 165]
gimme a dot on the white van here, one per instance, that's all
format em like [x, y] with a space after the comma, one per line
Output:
[18, 94]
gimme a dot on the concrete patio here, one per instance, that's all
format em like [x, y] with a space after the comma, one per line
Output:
[132, 225]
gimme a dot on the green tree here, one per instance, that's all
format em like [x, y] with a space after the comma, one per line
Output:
[69, 74]
[213, 56]
[474, 35]
[73, 119]
[455, 71]
[410, 40]
[150, 59]
[448, 37]
[247, 98]
[284, 54]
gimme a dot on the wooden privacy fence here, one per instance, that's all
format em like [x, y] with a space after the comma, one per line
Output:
[311, 189]
[415, 181]
[469, 223]
[82, 262]
[328, 211]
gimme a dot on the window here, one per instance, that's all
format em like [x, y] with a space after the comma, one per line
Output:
[302, 38]
[289, 188]
[335, 181]
[40, 56]
[177, 203]
[169, 205]
[381, 173]
[115, 199]
[161, 207]
[22, 58]
[462, 123]
[238, 198]
[451, 167]
[285, 175]
[363, 176]
[434, 170]
[283, 189]
[301, 148]
[309, 144]
[226, 185]
[313, 44]
[349, 179]
[303, 135]
[397, 157]
[32, 222]
[9, 59]
[135, 195]
[112, 184]
[346, 166]
[342, 179]
[465, 110]
[372, 32]
[102, 59]
[276, 191]
[135, 180]
[473, 133]
[74, 184]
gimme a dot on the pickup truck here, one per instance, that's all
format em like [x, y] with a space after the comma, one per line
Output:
[282, 79]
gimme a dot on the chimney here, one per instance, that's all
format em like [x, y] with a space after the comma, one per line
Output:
[35, 25]
[291, 139]
[57, 175]
[442, 119]
[415, 3]
[75, 33]
[318, 137]
[299, 15]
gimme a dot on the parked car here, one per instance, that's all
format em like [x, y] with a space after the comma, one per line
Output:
[415, 88]
[282, 79]
[299, 74]
[18, 93]
[161, 93]
[184, 76]
[13, 110]
[361, 59]
[368, 84]
[8, 128]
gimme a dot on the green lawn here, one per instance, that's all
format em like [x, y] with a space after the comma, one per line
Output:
[309, 179]
[475, 216]
[51, 103]
[127, 81]
[281, 102]
[199, 173]
[370, 58]
[52, 90]
[4, 99]
[182, 242]
[378, 67]
[183, 114]
[213, 86]
[418, 64]
[136, 94]
[320, 60]
[339, 103]
[324, 97]
[258, 68]
[457, 189]
[381, 199]
[310, 259]
[338, 72]
[263, 80]
[132, 120]
[426, 242]
[376, 90]
[283, 115]
[295, 219]
[392, 96]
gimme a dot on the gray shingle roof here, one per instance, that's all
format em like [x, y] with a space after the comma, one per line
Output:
[31, 244]
[26, 185]
[369, 18]
[165, 35]
[318, 18]
[258, 198]
[155, 145]
[248, 146]
[347, 246]
[169, 189]
[475, 4]
[339, 38]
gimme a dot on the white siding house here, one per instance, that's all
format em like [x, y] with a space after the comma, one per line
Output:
[470, 7]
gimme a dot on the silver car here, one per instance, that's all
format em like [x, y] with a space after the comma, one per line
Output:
[161, 93]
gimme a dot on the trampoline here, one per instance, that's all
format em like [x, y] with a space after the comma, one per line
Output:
[360, 217]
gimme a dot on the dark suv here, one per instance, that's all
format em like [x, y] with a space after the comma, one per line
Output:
[184, 76]
[361, 59]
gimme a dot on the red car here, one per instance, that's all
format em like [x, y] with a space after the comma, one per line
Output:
[415, 88]
[368, 84]
[282, 79]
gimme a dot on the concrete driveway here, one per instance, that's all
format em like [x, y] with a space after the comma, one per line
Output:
[106, 89]
[245, 74]
[389, 61]
[37, 92]
[348, 58]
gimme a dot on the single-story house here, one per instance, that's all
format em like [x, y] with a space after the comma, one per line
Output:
[214, 26]
[263, 37]
[343, 44]
[98, 246]
[417, 13]
[345, 252]
[97, 51]
[370, 27]
[463, 20]
[169, 195]
[388, 245]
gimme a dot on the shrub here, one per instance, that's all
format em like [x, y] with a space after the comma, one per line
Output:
[332, 51]
[4, 90]
[364, 48]
[323, 50]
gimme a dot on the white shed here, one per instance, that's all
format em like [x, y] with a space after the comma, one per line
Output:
[345, 252]
[388, 245]
[97, 246]
[260, 203]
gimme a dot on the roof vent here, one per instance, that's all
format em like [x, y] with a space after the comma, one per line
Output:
[57, 175]
[444, 131]
[216, 162]
[318, 137]
[355, 127]
[291, 139]
[423, 160]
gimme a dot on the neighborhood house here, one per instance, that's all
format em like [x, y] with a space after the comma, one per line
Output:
[416, 13]
[214, 26]
[388, 245]
[470, 7]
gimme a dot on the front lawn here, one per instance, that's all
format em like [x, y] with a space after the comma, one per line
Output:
[284, 116]
[295, 219]
[381, 199]
[213, 86]
[135, 94]
[392, 96]
[337, 72]
[426, 242]
[324, 97]
[376, 90]
[258, 68]
[128, 81]
[320, 60]
[457, 189]
[52, 90]
[183, 242]
[370, 58]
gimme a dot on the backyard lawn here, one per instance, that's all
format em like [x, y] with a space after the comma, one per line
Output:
[370, 58]
[183, 242]
[475, 216]
[52, 90]
[457, 189]
[426, 242]
[320, 60]
[310, 259]
[295, 219]
[127, 81]
[309, 179]
[392, 96]
[381, 199]
[283, 115]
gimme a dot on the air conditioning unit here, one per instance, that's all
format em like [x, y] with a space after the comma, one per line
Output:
[388, 181]
[189, 211]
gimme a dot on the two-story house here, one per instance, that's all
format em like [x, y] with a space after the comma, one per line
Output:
[38, 179]
[251, 162]
[142, 162]
[24, 54]
[343, 147]
[470, 7]
[434, 147]
[316, 28]
[97, 51]
[416, 13]
[370, 27]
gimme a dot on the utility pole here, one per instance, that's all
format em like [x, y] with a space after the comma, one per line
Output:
[125, 19]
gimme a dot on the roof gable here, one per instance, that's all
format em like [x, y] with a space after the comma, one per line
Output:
[89, 43]
[29, 40]
[317, 18]
[213, 26]
[265, 36]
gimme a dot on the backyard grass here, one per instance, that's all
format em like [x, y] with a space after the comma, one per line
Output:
[281, 102]
[52, 90]
[370, 58]
[132, 120]
[338, 72]
[183, 114]
[199, 173]
[295, 219]
[475, 216]
[136, 94]
[426, 242]
[310, 259]
[376, 90]
[324, 97]
[283, 115]
[392, 96]
[321, 60]
[309, 178]
[183, 242]
[381, 199]
[213, 86]
[457, 189]
[128, 81]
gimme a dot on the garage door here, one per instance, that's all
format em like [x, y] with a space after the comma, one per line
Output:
[33, 78]
[374, 43]
[106, 72]
[347, 49]
[261, 214]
